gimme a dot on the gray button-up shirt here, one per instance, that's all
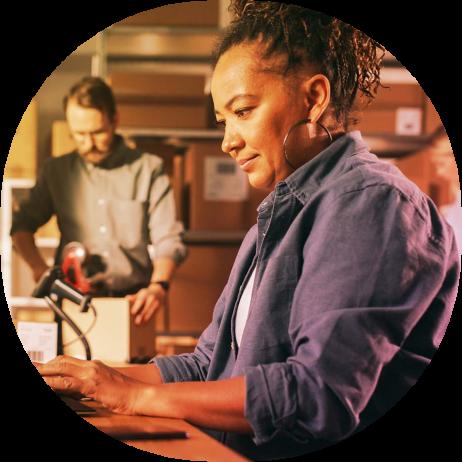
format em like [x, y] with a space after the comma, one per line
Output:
[116, 209]
[356, 277]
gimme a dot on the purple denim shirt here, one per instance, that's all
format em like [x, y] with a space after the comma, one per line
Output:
[355, 282]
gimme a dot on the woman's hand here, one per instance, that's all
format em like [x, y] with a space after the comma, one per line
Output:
[92, 379]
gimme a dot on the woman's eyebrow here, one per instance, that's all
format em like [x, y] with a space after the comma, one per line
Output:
[236, 97]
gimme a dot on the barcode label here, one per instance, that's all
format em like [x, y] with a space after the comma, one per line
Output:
[36, 355]
[39, 339]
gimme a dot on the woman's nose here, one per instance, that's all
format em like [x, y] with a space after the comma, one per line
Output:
[231, 141]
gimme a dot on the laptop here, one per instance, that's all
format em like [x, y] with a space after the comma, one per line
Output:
[78, 406]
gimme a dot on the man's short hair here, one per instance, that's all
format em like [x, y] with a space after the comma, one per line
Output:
[92, 92]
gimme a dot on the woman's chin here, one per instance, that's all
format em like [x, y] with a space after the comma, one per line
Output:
[260, 182]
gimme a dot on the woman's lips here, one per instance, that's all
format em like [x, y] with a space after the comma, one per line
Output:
[246, 164]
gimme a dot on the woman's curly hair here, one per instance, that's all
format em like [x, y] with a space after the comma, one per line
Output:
[346, 56]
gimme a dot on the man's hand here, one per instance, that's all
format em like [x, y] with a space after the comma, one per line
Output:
[146, 302]
[93, 379]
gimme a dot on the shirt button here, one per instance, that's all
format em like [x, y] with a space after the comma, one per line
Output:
[232, 345]
[102, 229]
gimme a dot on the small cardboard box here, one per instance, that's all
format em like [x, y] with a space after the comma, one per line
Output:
[113, 336]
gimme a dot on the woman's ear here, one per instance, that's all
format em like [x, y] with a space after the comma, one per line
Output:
[317, 96]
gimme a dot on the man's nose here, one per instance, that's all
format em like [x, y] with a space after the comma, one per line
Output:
[89, 140]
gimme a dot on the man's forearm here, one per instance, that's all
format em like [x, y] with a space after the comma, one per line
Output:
[216, 405]
[164, 268]
[24, 244]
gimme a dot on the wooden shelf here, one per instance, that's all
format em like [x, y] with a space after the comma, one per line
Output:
[214, 237]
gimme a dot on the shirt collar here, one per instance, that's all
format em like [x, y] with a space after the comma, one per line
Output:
[307, 178]
[116, 158]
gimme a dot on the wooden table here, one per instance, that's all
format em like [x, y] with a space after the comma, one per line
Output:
[199, 446]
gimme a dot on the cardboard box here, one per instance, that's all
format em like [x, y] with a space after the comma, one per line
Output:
[418, 169]
[432, 119]
[158, 86]
[114, 336]
[22, 158]
[163, 115]
[397, 109]
[196, 288]
[213, 204]
[220, 197]
[61, 139]
[173, 158]
[395, 95]
[181, 14]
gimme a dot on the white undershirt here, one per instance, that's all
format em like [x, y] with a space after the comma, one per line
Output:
[243, 308]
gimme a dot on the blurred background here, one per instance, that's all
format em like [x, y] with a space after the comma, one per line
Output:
[158, 63]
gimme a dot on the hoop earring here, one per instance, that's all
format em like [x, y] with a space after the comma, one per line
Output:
[302, 122]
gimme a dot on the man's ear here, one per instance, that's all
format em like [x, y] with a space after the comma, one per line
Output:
[317, 96]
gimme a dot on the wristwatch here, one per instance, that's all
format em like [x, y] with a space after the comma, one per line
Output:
[164, 284]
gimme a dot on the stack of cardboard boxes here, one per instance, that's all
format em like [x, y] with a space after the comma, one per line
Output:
[153, 100]
[403, 109]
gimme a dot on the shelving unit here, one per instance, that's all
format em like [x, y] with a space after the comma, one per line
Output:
[163, 49]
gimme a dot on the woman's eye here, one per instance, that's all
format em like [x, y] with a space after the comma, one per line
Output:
[242, 112]
[220, 123]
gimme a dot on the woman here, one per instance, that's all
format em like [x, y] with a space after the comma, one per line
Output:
[341, 292]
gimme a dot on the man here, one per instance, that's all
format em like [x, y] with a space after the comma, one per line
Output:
[112, 199]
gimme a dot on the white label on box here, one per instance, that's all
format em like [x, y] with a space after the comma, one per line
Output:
[224, 180]
[408, 121]
[39, 339]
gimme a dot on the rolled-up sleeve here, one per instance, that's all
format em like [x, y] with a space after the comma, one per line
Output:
[166, 232]
[37, 209]
[372, 284]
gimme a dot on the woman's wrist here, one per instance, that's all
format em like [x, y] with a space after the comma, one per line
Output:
[144, 398]
[153, 400]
